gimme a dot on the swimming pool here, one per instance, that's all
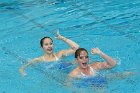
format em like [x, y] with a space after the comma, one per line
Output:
[111, 25]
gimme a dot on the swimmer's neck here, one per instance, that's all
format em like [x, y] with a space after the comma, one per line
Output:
[84, 69]
[46, 55]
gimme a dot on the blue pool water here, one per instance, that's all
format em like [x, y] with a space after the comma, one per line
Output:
[111, 25]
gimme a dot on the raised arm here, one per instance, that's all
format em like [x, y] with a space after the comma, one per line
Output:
[73, 46]
[103, 65]
[22, 68]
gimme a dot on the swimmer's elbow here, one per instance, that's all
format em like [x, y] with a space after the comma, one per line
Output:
[75, 47]
[78, 46]
[114, 63]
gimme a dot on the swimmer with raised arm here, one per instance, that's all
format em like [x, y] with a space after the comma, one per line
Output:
[88, 70]
[48, 47]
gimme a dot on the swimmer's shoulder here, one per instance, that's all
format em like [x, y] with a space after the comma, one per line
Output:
[74, 73]
[59, 54]
[62, 53]
[38, 59]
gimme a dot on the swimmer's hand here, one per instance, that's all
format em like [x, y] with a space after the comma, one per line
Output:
[128, 73]
[125, 74]
[58, 36]
[95, 51]
[21, 70]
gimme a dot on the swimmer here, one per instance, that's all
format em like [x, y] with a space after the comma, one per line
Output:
[48, 47]
[86, 70]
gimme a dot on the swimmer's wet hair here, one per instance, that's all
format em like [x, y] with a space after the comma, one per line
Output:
[42, 40]
[78, 51]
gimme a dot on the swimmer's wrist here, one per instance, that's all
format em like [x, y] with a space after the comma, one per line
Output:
[63, 38]
[101, 53]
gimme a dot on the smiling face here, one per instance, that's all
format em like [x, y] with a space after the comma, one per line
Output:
[82, 59]
[48, 45]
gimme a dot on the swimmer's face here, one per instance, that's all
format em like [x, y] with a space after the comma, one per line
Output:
[82, 59]
[48, 45]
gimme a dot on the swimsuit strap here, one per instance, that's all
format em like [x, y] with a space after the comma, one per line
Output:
[83, 74]
[44, 58]
[92, 71]
[56, 58]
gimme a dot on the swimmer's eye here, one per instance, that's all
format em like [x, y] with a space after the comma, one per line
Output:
[46, 44]
[51, 43]
[80, 57]
[83, 57]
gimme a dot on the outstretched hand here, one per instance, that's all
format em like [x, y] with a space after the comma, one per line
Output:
[58, 36]
[22, 72]
[95, 51]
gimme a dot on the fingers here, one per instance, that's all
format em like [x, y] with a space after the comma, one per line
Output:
[22, 72]
[57, 35]
[58, 32]
[95, 50]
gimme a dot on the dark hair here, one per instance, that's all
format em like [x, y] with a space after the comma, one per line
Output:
[78, 51]
[42, 40]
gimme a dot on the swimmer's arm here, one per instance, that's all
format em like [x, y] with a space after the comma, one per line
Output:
[65, 52]
[74, 46]
[22, 68]
[110, 62]
[73, 74]
[119, 75]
